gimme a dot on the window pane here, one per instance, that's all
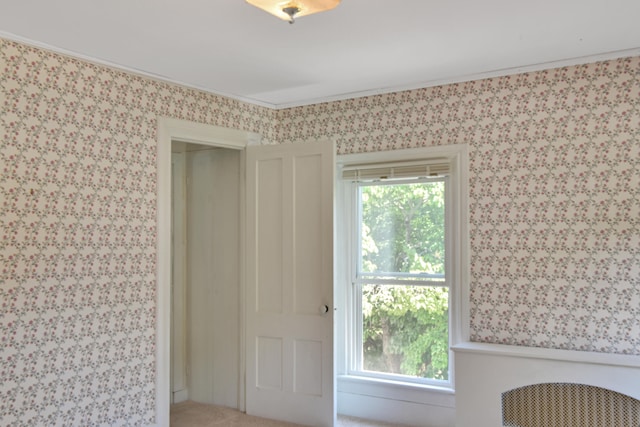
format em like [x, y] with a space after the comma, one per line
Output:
[405, 330]
[402, 229]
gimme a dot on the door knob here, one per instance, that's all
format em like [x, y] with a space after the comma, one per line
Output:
[324, 309]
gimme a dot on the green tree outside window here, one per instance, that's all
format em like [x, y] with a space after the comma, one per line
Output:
[405, 327]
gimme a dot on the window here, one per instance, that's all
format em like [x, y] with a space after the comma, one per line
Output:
[400, 266]
[400, 286]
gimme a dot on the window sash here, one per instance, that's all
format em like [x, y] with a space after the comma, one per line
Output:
[357, 348]
[359, 220]
[391, 278]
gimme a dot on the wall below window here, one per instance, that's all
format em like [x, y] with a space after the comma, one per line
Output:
[396, 403]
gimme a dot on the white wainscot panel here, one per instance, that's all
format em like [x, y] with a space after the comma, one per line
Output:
[485, 371]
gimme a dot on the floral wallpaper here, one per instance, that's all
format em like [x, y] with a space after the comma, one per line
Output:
[554, 193]
[554, 213]
[78, 224]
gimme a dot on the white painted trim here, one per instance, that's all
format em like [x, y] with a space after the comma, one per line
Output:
[414, 403]
[199, 133]
[242, 383]
[180, 396]
[485, 371]
[605, 56]
[460, 154]
[461, 323]
[179, 130]
[611, 359]
[179, 276]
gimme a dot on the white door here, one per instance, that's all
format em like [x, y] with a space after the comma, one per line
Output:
[289, 293]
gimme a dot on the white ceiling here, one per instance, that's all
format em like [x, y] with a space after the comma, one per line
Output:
[361, 47]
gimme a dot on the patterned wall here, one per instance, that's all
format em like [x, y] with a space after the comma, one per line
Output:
[78, 224]
[555, 214]
[554, 193]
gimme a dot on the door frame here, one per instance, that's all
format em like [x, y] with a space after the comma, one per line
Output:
[170, 130]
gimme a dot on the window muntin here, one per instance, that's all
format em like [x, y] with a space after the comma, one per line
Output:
[400, 289]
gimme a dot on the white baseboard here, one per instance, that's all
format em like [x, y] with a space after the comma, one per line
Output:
[180, 396]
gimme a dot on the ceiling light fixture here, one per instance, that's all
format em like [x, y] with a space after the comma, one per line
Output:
[288, 10]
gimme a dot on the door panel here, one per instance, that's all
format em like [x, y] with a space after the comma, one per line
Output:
[289, 282]
[269, 362]
[308, 367]
[308, 229]
[269, 233]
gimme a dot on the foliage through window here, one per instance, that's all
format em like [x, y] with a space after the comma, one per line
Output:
[400, 289]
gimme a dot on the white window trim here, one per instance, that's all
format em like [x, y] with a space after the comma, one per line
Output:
[459, 305]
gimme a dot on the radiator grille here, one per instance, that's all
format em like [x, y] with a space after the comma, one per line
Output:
[568, 405]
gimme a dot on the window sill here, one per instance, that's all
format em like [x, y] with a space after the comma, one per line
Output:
[425, 394]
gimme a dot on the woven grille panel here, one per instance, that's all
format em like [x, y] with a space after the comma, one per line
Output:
[568, 405]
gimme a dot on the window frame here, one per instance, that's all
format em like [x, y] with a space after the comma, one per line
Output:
[349, 328]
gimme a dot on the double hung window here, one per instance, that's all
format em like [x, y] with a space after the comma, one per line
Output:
[399, 220]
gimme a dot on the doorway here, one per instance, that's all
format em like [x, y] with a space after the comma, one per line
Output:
[205, 297]
[312, 366]
[170, 130]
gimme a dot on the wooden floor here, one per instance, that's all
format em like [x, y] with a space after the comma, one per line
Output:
[192, 414]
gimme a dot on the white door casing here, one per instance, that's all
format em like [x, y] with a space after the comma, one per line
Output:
[178, 280]
[289, 282]
[169, 130]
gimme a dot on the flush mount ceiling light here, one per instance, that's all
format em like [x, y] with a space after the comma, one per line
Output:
[288, 10]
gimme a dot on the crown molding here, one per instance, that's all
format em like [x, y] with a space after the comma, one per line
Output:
[606, 56]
